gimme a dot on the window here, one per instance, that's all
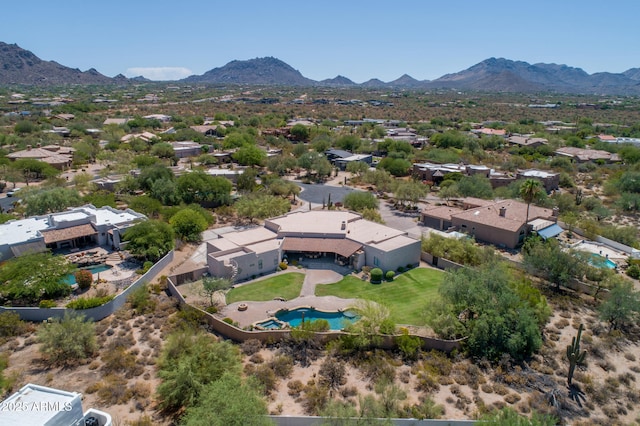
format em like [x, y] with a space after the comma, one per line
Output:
[260, 264]
[376, 261]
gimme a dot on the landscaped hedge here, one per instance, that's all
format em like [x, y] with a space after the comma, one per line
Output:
[376, 275]
[389, 275]
[89, 302]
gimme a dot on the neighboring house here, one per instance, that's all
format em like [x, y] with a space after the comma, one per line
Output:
[75, 228]
[615, 140]
[487, 131]
[527, 141]
[41, 405]
[144, 136]
[436, 172]
[64, 117]
[583, 155]
[184, 149]
[60, 157]
[549, 180]
[337, 236]
[342, 163]
[231, 174]
[116, 121]
[58, 130]
[160, 117]
[337, 154]
[501, 223]
[209, 130]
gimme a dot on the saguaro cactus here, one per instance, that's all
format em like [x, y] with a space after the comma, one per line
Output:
[574, 355]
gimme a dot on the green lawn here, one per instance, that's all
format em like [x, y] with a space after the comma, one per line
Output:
[408, 296]
[283, 285]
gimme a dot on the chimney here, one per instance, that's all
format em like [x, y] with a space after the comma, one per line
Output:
[503, 211]
[555, 212]
[28, 147]
[343, 226]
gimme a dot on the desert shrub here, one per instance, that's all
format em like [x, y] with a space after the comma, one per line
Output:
[266, 377]
[84, 279]
[67, 340]
[283, 266]
[46, 303]
[11, 325]
[113, 390]
[119, 360]
[88, 302]
[141, 301]
[228, 320]
[389, 275]
[409, 345]
[256, 358]
[376, 275]
[401, 269]
[282, 365]
[512, 398]
[315, 398]
[295, 387]
[251, 346]
[634, 271]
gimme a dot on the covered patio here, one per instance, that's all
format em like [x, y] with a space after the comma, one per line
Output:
[69, 238]
[340, 251]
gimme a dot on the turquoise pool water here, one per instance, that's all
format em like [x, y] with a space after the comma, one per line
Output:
[602, 262]
[95, 269]
[337, 320]
[270, 324]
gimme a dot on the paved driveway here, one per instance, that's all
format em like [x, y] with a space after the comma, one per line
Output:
[317, 193]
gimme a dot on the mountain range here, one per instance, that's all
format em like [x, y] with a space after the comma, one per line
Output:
[20, 66]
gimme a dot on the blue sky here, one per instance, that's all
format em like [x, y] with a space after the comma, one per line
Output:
[358, 39]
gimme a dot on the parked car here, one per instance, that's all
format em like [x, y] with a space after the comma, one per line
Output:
[12, 192]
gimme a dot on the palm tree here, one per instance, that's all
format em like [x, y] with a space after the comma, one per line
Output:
[530, 190]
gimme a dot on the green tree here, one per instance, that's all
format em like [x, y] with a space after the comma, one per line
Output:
[165, 151]
[283, 188]
[475, 186]
[67, 340]
[374, 320]
[549, 261]
[622, 307]
[166, 191]
[212, 285]
[50, 200]
[250, 155]
[188, 225]
[315, 164]
[199, 187]
[149, 240]
[229, 401]
[261, 206]
[360, 200]
[411, 191]
[300, 132]
[396, 166]
[530, 190]
[149, 175]
[497, 316]
[31, 169]
[33, 277]
[188, 363]
[357, 167]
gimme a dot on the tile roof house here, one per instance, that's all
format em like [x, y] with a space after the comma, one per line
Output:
[527, 140]
[341, 237]
[76, 227]
[501, 223]
[60, 157]
[583, 155]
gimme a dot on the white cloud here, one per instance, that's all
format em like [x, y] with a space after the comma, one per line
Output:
[159, 73]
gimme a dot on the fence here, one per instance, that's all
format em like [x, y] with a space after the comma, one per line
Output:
[234, 333]
[317, 421]
[439, 262]
[99, 312]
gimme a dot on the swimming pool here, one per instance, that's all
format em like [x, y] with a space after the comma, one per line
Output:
[602, 262]
[337, 320]
[270, 324]
[95, 269]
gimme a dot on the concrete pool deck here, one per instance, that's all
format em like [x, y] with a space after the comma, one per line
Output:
[600, 249]
[259, 311]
